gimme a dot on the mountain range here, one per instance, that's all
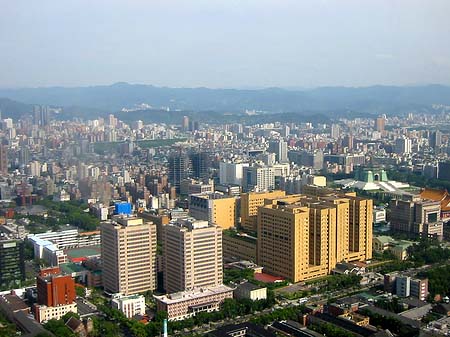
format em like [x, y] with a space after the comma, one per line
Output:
[339, 101]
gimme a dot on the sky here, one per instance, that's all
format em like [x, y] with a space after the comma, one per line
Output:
[224, 43]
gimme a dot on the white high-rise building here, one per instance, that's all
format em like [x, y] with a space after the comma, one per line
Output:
[279, 147]
[258, 178]
[231, 173]
[403, 145]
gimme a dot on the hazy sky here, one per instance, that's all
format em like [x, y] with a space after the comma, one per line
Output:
[229, 43]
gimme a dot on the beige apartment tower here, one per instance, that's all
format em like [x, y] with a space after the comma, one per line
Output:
[129, 255]
[249, 207]
[192, 255]
[303, 237]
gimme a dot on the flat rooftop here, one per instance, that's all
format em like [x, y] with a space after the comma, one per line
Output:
[192, 294]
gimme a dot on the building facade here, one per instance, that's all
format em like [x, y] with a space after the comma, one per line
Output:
[129, 255]
[12, 267]
[250, 202]
[130, 306]
[304, 237]
[186, 304]
[214, 207]
[192, 255]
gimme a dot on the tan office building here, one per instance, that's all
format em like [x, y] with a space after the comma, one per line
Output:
[249, 207]
[129, 255]
[303, 237]
[192, 255]
[217, 208]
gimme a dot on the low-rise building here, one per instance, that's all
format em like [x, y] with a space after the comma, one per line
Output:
[131, 305]
[399, 248]
[250, 291]
[43, 313]
[186, 304]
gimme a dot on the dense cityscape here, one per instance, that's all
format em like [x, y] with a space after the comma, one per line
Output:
[297, 229]
[224, 168]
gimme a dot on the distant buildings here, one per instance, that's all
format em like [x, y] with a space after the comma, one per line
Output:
[178, 169]
[231, 173]
[380, 124]
[279, 147]
[403, 145]
[258, 178]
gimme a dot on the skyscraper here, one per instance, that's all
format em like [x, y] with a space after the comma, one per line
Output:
[178, 169]
[129, 255]
[200, 164]
[279, 147]
[335, 131]
[185, 123]
[435, 139]
[380, 123]
[192, 255]
[41, 115]
[403, 145]
[3, 159]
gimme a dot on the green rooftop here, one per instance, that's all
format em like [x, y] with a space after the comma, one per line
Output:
[83, 252]
[70, 268]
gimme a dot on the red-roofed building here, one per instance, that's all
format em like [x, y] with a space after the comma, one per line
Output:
[438, 195]
[266, 278]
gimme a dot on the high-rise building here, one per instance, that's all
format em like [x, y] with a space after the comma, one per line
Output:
[348, 142]
[129, 255]
[380, 123]
[258, 178]
[55, 289]
[403, 145]
[435, 139]
[192, 255]
[217, 208]
[335, 131]
[185, 123]
[24, 155]
[200, 164]
[303, 237]
[41, 115]
[279, 147]
[3, 159]
[231, 173]
[250, 202]
[12, 268]
[178, 169]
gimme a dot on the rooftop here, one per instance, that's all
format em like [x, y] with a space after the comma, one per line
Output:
[192, 294]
